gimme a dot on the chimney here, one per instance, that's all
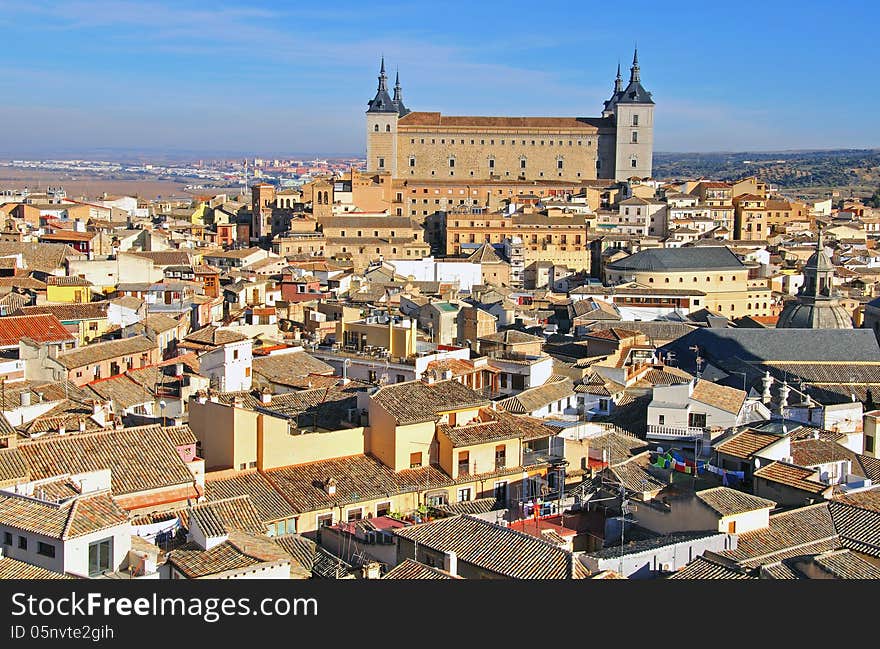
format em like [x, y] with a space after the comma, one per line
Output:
[330, 486]
[265, 395]
[178, 369]
[767, 381]
[62, 430]
[447, 374]
[82, 425]
[25, 398]
[450, 563]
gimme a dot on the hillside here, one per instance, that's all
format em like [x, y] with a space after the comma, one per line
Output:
[857, 170]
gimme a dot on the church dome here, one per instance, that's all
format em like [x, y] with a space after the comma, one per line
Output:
[818, 315]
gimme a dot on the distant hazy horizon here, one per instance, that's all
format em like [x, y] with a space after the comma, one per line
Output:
[133, 155]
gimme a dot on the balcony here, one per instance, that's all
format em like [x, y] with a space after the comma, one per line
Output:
[675, 432]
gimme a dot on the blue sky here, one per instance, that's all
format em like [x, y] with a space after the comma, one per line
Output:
[278, 78]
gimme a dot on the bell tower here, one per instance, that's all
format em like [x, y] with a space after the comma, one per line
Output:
[382, 115]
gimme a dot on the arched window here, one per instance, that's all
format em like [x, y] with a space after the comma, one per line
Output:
[376, 128]
[388, 128]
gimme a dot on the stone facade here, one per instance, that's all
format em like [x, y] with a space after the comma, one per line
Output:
[432, 146]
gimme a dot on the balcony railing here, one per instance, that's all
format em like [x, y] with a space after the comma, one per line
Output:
[675, 432]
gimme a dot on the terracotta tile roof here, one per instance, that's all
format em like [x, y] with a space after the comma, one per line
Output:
[46, 257]
[180, 435]
[124, 391]
[745, 444]
[140, 458]
[167, 257]
[97, 352]
[66, 312]
[511, 337]
[419, 119]
[292, 368]
[497, 549]
[416, 401]
[633, 477]
[844, 564]
[239, 552]
[268, 502]
[15, 569]
[411, 569]
[219, 517]
[792, 476]
[68, 235]
[620, 445]
[704, 567]
[728, 502]
[303, 552]
[868, 499]
[719, 396]
[358, 478]
[859, 528]
[533, 399]
[613, 333]
[779, 570]
[495, 426]
[69, 519]
[210, 337]
[812, 452]
[55, 280]
[666, 376]
[40, 328]
[806, 530]
[13, 468]
[160, 323]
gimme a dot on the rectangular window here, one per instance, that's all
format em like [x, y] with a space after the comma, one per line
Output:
[325, 520]
[464, 463]
[500, 457]
[381, 163]
[355, 514]
[383, 509]
[464, 495]
[522, 164]
[7, 538]
[501, 491]
[415, 460]
[100, 556]
[291, 526]
[635, 137]
[869, 444]
[46, 549]
[235, 354]
[559, 164]
[436, 499]
[661, 419]
[633, 163]
[635, 120]
[22, 543]
[697, 420]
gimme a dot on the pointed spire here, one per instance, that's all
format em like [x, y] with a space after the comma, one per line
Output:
[618, 81]
[383, 85]
[398, 96]
[635, 74]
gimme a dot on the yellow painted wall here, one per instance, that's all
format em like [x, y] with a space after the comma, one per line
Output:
[276, 448]
[68, 294]
[87, 332]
